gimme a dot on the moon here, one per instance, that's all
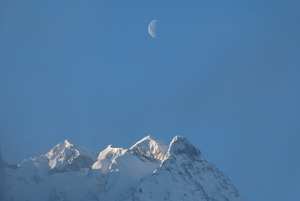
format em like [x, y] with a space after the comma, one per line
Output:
[152, 28]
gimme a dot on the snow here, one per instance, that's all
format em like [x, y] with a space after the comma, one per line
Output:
[107, 157]
[149, 170]
[151, 148]
[66, 152]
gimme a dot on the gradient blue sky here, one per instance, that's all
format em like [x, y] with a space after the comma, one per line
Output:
[225, 74]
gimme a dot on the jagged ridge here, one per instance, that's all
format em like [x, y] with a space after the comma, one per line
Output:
[149, 170]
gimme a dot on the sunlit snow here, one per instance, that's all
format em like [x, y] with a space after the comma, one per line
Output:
[150, 170]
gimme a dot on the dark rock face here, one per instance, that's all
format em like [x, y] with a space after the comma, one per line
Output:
[181, 146]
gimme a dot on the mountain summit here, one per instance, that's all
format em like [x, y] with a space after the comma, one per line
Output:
[150, 170]
[66, 157]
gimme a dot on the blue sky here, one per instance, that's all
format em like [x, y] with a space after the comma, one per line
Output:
[224, 74]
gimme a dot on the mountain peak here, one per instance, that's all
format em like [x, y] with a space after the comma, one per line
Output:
[149, 170]
[60, 147]
[66, 153]
[67, 143]
[146, 140]
[150, 147]
[181, 146]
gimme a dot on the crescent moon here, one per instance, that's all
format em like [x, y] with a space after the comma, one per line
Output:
[152, 28]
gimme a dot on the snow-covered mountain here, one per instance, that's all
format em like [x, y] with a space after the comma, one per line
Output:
[150, 170]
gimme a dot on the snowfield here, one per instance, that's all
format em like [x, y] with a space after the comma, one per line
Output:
[150, 170]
